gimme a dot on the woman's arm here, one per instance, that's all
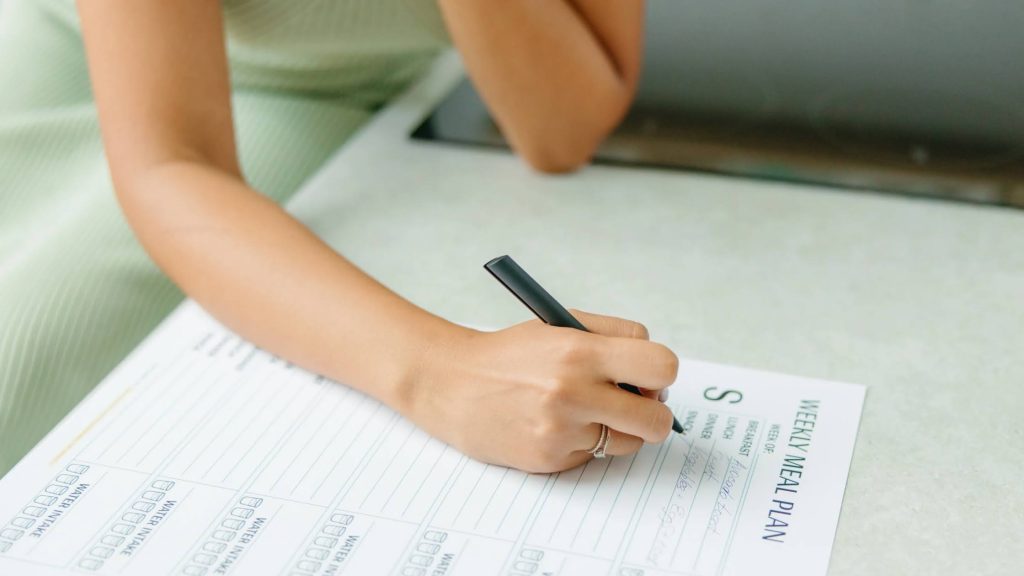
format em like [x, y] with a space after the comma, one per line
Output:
[160, 79]
[558, 75]
[161, 84]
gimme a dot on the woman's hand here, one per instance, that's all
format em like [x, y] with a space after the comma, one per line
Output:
[534, 396]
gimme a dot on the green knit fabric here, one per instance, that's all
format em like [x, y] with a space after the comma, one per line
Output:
[77, 292]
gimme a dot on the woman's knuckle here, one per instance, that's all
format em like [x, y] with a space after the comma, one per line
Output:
[541, 432]
[673, 365]
[573, 349]
[548, 432]
[668, 363]
[556, 393]
[660, 423]
[638, 330]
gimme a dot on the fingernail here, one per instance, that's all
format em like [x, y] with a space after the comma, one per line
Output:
[663, 395]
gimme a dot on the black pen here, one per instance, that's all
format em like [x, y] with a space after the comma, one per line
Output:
[537, 299]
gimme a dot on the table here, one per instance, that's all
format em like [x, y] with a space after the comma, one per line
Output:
[923, 301]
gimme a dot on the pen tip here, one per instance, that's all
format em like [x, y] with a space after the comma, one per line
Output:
[676, 426]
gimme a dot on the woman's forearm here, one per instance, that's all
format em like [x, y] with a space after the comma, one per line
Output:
[557, 74]
[165, 113]
[270, 279]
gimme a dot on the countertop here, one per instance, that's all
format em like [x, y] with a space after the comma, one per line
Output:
[920, 300]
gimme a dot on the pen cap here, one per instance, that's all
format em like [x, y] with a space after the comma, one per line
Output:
[530, 293]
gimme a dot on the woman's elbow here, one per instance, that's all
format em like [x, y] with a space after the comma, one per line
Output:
[558, 153]
[557, 149]
[556, 160]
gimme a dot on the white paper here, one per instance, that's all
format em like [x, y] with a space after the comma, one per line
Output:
[202, 455]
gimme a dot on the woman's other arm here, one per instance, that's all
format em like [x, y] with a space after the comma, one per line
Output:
[558, 75]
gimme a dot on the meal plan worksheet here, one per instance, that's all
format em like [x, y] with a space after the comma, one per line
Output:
[202, 455]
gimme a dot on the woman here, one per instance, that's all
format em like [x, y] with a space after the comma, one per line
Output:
[190, 93]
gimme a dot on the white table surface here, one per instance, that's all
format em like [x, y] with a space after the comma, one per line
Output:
[923, 301]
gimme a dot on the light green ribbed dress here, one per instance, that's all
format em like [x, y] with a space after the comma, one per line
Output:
[77, 292]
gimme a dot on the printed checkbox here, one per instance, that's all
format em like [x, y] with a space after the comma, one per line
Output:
[531, 554]
[224, 535]
[90, 564]
[252, 501]
[214, 547]
[343, 519]
[205, 559]
[112, 540]
[164, 485]
[22, 522]
[421, 560]
[333, 530]
[325, 541]
[45, 500]
[66, 479]
[194, 571]
[153, 495]
[308, 566]
[427, 548]
[412, 571]
[10, 534]
[77, 468]
[523, 566]
[143, 506]
[242, 512]
[36, 511]
[317, 553]
[55, 489]
[133, 517]
[233, 524]
[5, 546]
[101, 552]
[435, 535]
[124, 529]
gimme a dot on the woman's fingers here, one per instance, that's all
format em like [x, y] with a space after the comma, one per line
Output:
[634, 415]
[611, 326]
[619, 443]
[641, 363]
[659, 395]
[647, 365]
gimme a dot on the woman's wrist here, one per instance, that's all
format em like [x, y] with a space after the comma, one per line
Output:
[430, 352]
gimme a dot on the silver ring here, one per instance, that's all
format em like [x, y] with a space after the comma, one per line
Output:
[603, 441]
